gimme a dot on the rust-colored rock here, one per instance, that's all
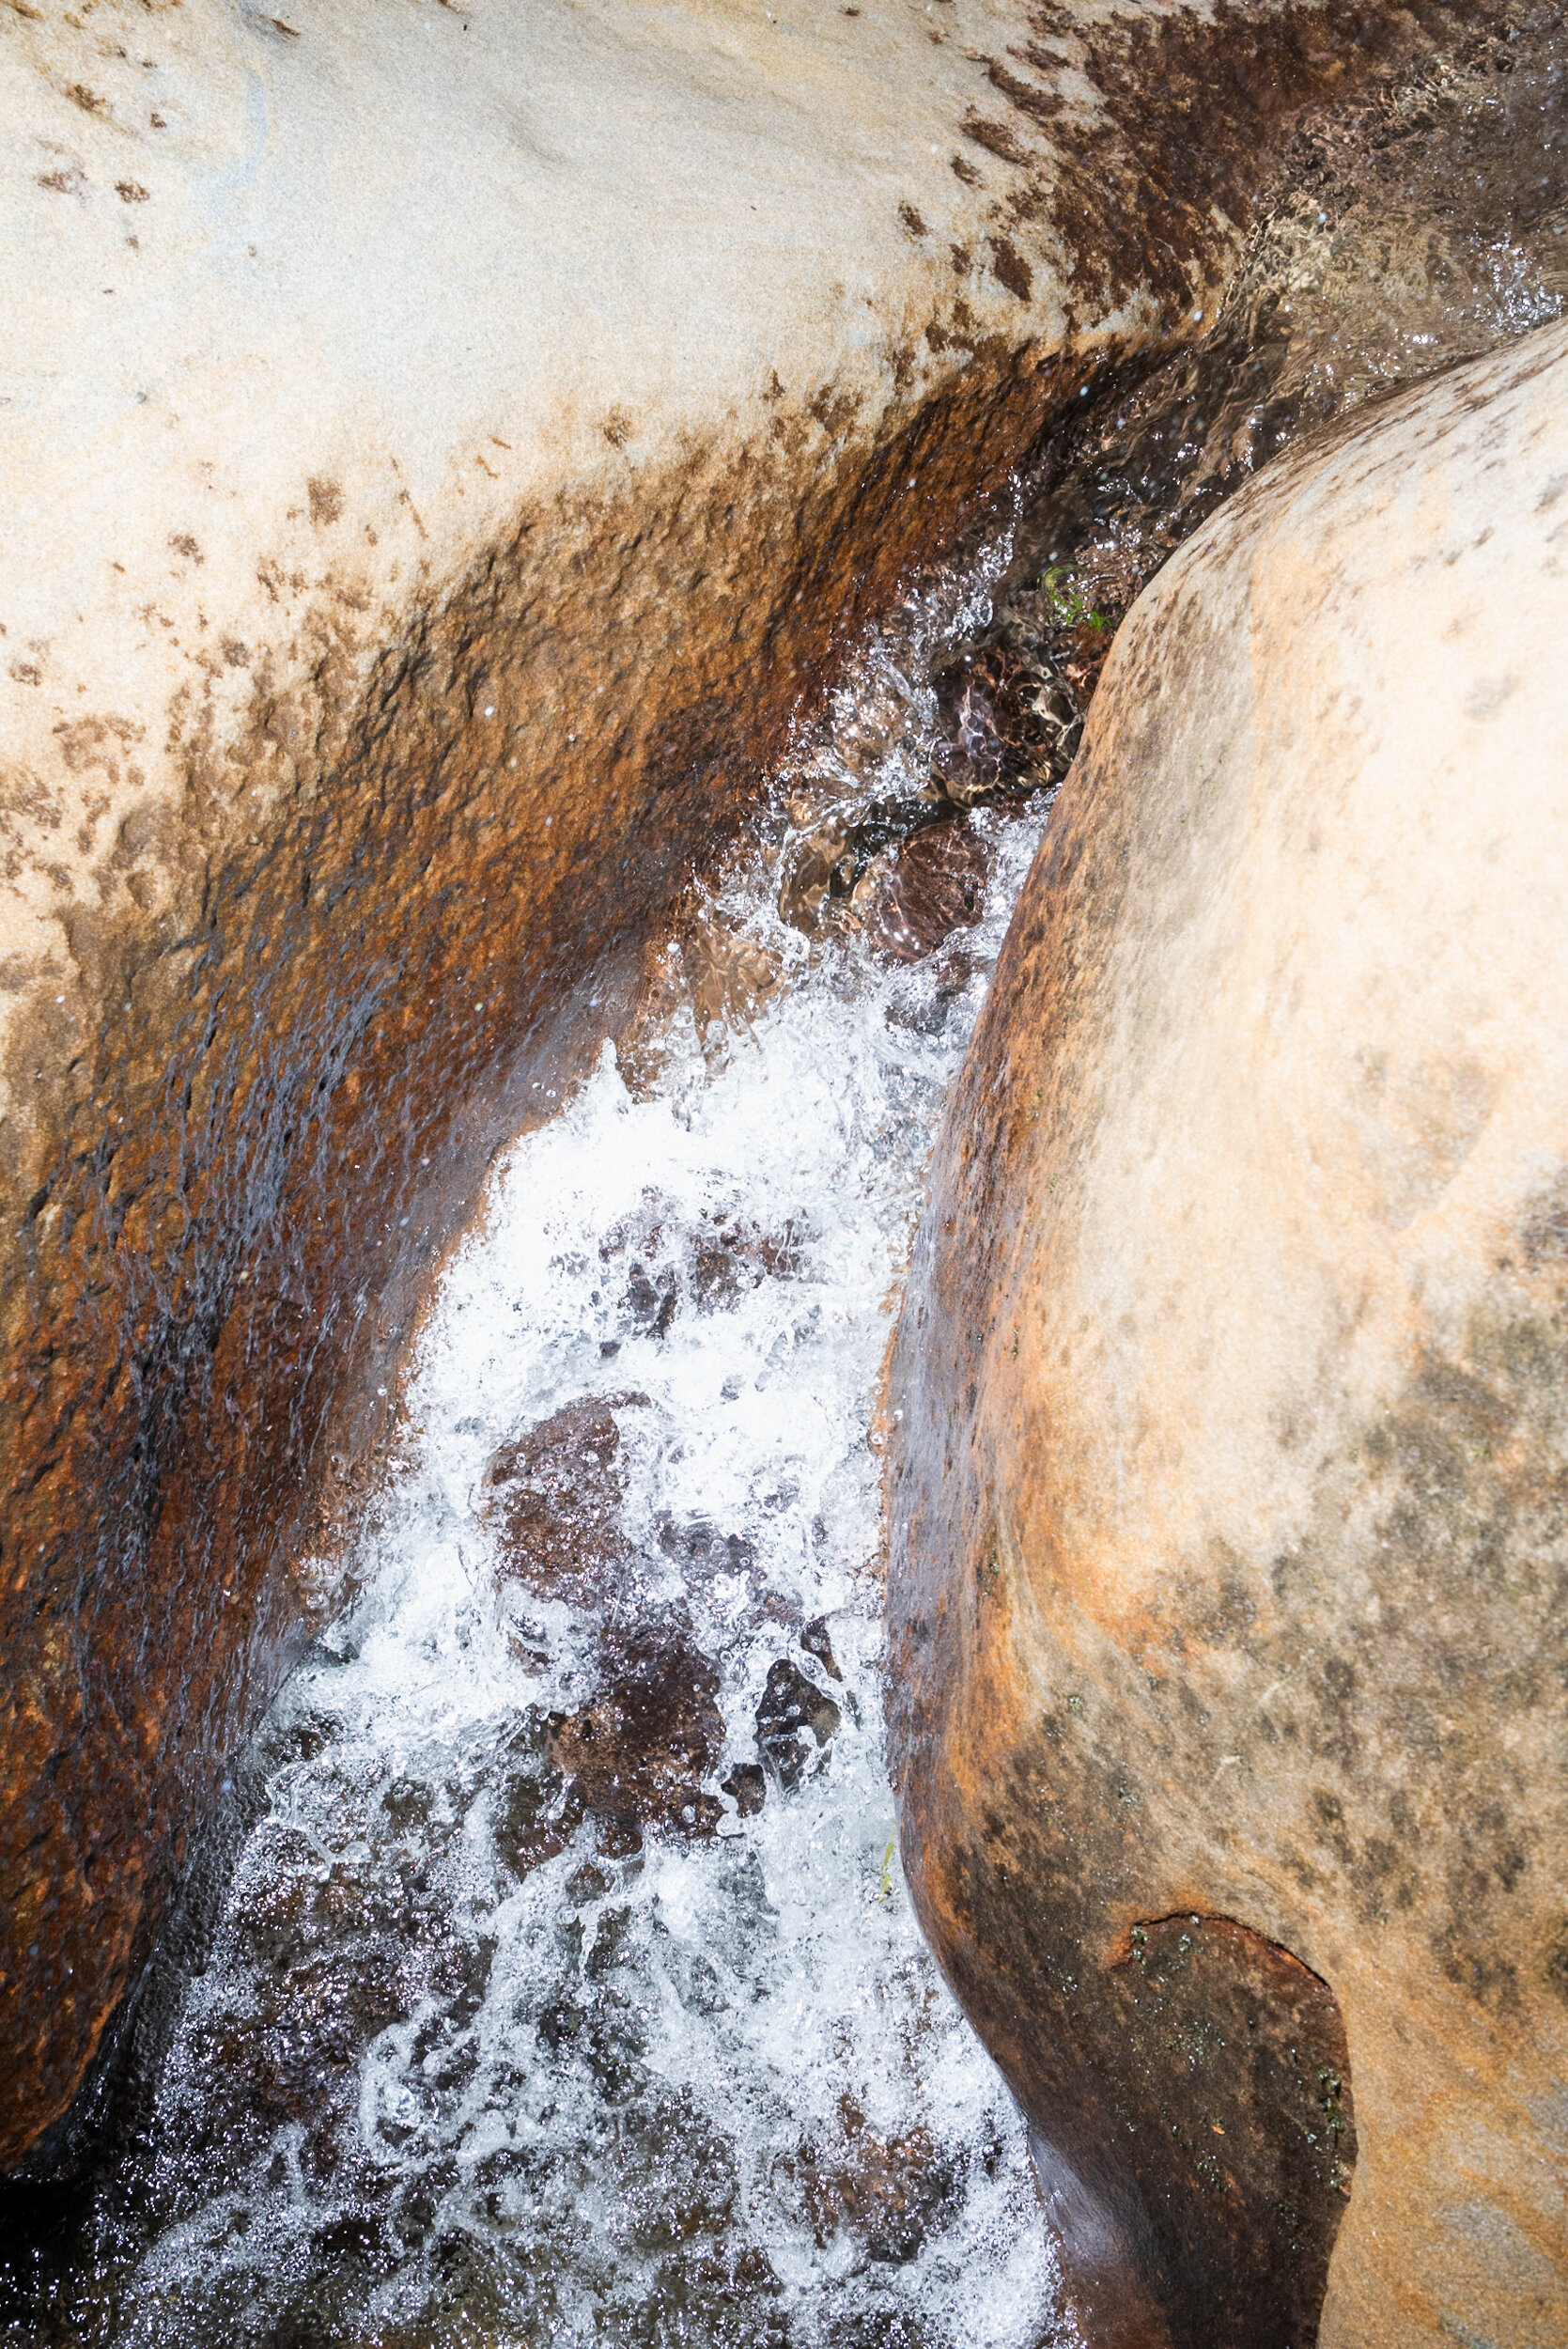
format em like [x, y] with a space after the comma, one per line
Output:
[1228, 1472]
[438, 457]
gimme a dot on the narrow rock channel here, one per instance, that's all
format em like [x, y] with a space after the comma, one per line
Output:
[551, 1977]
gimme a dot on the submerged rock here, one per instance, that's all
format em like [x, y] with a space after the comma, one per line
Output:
[795, 1721]
[1229, 1457]
[1005, 726]
[933, 885]
[557, 1502]
[638, 1753]
[891, 2193]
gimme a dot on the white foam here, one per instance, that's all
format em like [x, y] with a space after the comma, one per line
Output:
[635, 2109]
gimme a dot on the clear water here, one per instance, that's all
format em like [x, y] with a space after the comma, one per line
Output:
[711, 2090]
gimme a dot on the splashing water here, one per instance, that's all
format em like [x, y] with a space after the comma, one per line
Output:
[478, 2058]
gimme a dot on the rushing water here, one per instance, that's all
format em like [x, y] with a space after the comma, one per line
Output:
[474, 2057]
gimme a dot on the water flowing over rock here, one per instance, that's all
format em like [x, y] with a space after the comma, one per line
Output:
[1230, 1453]
[439, 458]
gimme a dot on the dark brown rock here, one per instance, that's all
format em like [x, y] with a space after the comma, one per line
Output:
[638, 1752]
[933, 885]
[890, 2192]
[746, 1786]
[531, 1823]
[1226, 2064]
[794, 1716]
[557, 1500]
[1005, 727]
[815, 1639]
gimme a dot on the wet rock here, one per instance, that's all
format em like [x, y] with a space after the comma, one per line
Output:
[738, 1256]
[729, 979]
[639, 1750]
[557, 1502]
[651, 1297]
[703, 1549]
[747, 1786]
[935, 884]
[1228, 1447]
[340, 811]
[531, 1823]
[817, 869]
[816, 1642]
[1412, 224]
[1005, 726]
[794, 1716]
[890, 2192]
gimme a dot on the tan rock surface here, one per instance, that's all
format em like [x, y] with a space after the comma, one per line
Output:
[439, 449]
[1230, 1485]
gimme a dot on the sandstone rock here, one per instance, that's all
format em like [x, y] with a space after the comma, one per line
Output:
[1229, 1477]
[438, 455]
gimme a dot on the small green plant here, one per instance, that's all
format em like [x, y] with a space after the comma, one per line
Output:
[884, 1890]
[1064, 600]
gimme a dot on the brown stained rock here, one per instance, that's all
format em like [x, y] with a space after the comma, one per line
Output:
[384, 632]
[1228, 1421]
[557, 1502]
[1003, 727]
[934, 884]
[638, 1752]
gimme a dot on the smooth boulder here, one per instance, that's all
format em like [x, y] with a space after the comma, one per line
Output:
[1229, 1423]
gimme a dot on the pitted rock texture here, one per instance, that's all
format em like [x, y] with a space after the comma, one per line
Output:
[1229, 1468]
[438, 456]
